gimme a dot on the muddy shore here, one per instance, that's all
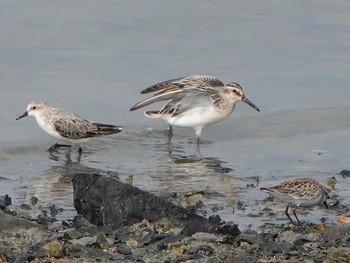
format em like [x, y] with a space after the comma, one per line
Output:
[40, 237]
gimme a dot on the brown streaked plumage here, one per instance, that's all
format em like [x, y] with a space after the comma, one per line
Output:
[301, 192]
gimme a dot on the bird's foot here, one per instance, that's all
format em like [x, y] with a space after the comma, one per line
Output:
[57, 146]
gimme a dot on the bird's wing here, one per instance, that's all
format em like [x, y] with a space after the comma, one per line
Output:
[195, 81]
[180, 88]
[73, 127]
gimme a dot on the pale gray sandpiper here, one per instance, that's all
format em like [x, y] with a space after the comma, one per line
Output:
[66, 126]
[194, 101]
[301, 192]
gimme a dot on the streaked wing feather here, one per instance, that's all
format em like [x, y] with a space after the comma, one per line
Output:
[74, 129]
[161, 86]
[180, 88]
[78, 128]
[156, 98]
[195, 81]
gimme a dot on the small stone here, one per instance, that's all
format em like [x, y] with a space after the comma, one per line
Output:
[164, 223]
[72, 234]
[205, 260]
[132, 243]
[230, 228]
[345, 173]
[25, 207]
[129, 180]
[214, 219]
[206, 237]
[77, 250]
[5, 251]
[100, 240]
[204, 250]
[5, 201]
[236, 259]
[178, 248]
[55, 249]
[124, 250]
[339, 254]
[250, 238]
[34, 200]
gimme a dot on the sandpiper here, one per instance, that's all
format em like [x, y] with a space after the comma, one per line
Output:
[194, 101]
[66, 126]
[301, 192]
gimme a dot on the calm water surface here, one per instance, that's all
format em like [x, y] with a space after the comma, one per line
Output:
[93, 58]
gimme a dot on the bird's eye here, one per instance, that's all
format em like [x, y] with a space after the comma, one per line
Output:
[34, 107]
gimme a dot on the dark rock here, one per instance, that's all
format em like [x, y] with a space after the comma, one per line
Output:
[345, 173]
[203, 250]
[25, 207]
[272, 248]
[10, 222]
[78, 250]
[72, 234]
[54, 210]
[5, 201]
[229, 228]
[103, 200]
[125, 250]
[44, 219]
[34, 200]
[250, 238]
[236, 259]
[215, 219]
[100, 240]
[79, 221]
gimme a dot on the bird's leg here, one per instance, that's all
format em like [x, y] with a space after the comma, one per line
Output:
[326, 204]
[287, 214]
[80, 150]
[170, 133]
[198, 152]
[295, 214]
[57, 146]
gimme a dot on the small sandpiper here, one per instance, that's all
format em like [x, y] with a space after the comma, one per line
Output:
[66, 126]
[194, 101]
[301, 192]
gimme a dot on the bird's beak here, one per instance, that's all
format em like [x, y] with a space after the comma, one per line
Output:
[251, 104]
[22, 116]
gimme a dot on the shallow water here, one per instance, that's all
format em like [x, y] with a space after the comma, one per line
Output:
[93, 58]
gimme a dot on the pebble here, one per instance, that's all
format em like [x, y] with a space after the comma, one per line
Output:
[55, 249]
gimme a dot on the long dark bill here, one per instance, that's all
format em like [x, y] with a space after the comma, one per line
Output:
[251, 104]
[22, 116]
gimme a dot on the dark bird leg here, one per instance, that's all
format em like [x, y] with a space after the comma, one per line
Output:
[170, 133]
[326, 204]
[295, 214]
[80, 150]
[287, 214]
[57, 146]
